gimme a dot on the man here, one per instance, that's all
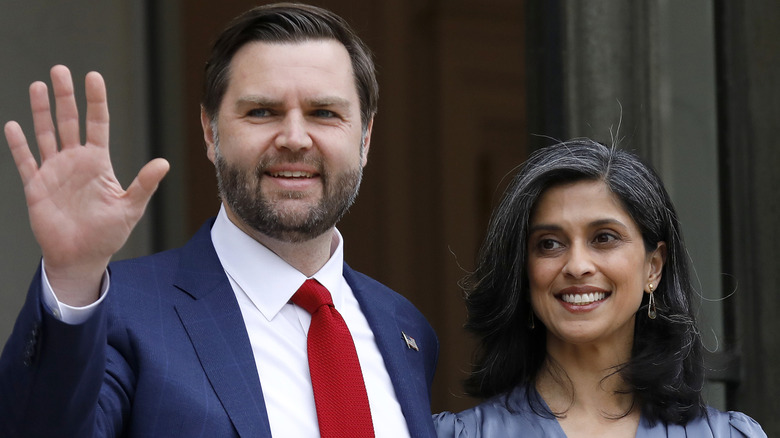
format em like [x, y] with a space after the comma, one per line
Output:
[204, 340]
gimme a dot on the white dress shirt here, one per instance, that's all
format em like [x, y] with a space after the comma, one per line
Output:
[263, 284]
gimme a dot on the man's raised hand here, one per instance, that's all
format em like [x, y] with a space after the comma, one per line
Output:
[79, 213]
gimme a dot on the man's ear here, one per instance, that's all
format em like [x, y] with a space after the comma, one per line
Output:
[208, 134]
[367, 142]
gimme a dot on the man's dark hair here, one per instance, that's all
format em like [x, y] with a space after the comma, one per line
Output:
[288, 23]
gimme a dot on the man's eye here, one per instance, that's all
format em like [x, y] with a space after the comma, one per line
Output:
[259, 112]
[323, 113]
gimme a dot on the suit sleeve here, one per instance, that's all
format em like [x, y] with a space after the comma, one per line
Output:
[52, 373]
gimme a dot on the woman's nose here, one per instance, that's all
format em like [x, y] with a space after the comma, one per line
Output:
[579, 262]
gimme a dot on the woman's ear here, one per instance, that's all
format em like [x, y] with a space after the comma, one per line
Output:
[656, 260]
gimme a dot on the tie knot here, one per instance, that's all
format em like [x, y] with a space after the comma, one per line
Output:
[311, 295]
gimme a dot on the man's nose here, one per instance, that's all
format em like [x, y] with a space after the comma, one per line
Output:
[294, 134]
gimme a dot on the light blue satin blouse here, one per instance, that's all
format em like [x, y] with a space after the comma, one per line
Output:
[493, 419]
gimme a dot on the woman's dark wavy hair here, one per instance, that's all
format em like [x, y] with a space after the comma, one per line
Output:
[288, 23]
[665, 372]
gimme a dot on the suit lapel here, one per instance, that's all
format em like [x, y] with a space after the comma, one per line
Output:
[387, 323]
[216, 328]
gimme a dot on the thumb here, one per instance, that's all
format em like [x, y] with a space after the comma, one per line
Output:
[147, 181]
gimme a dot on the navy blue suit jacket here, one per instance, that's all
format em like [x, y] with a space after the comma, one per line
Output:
[167, 354]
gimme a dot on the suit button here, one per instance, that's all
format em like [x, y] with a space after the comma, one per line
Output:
[31, 346]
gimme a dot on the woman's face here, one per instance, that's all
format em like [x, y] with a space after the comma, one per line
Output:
[587, 265]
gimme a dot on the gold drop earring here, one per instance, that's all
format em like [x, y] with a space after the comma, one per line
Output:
[651, 310]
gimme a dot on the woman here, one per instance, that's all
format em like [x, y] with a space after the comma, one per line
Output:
[582, 305]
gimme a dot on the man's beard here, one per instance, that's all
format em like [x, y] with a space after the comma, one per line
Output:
[242, 193]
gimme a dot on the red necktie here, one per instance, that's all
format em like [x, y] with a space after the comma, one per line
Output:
[339, 391]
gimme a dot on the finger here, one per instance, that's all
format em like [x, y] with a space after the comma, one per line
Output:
[45, 134]
[67, 111]
[97, 110]
[147, 181]
[20, 150]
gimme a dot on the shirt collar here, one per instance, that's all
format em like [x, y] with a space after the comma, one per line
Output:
[266, 278]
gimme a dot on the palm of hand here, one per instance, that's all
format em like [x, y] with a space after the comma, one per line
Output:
[79, 213]
[77, 206]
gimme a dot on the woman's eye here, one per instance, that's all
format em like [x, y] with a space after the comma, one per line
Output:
[549, 244]
[606, 238]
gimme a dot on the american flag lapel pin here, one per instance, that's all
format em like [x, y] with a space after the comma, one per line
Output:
[410, 342]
